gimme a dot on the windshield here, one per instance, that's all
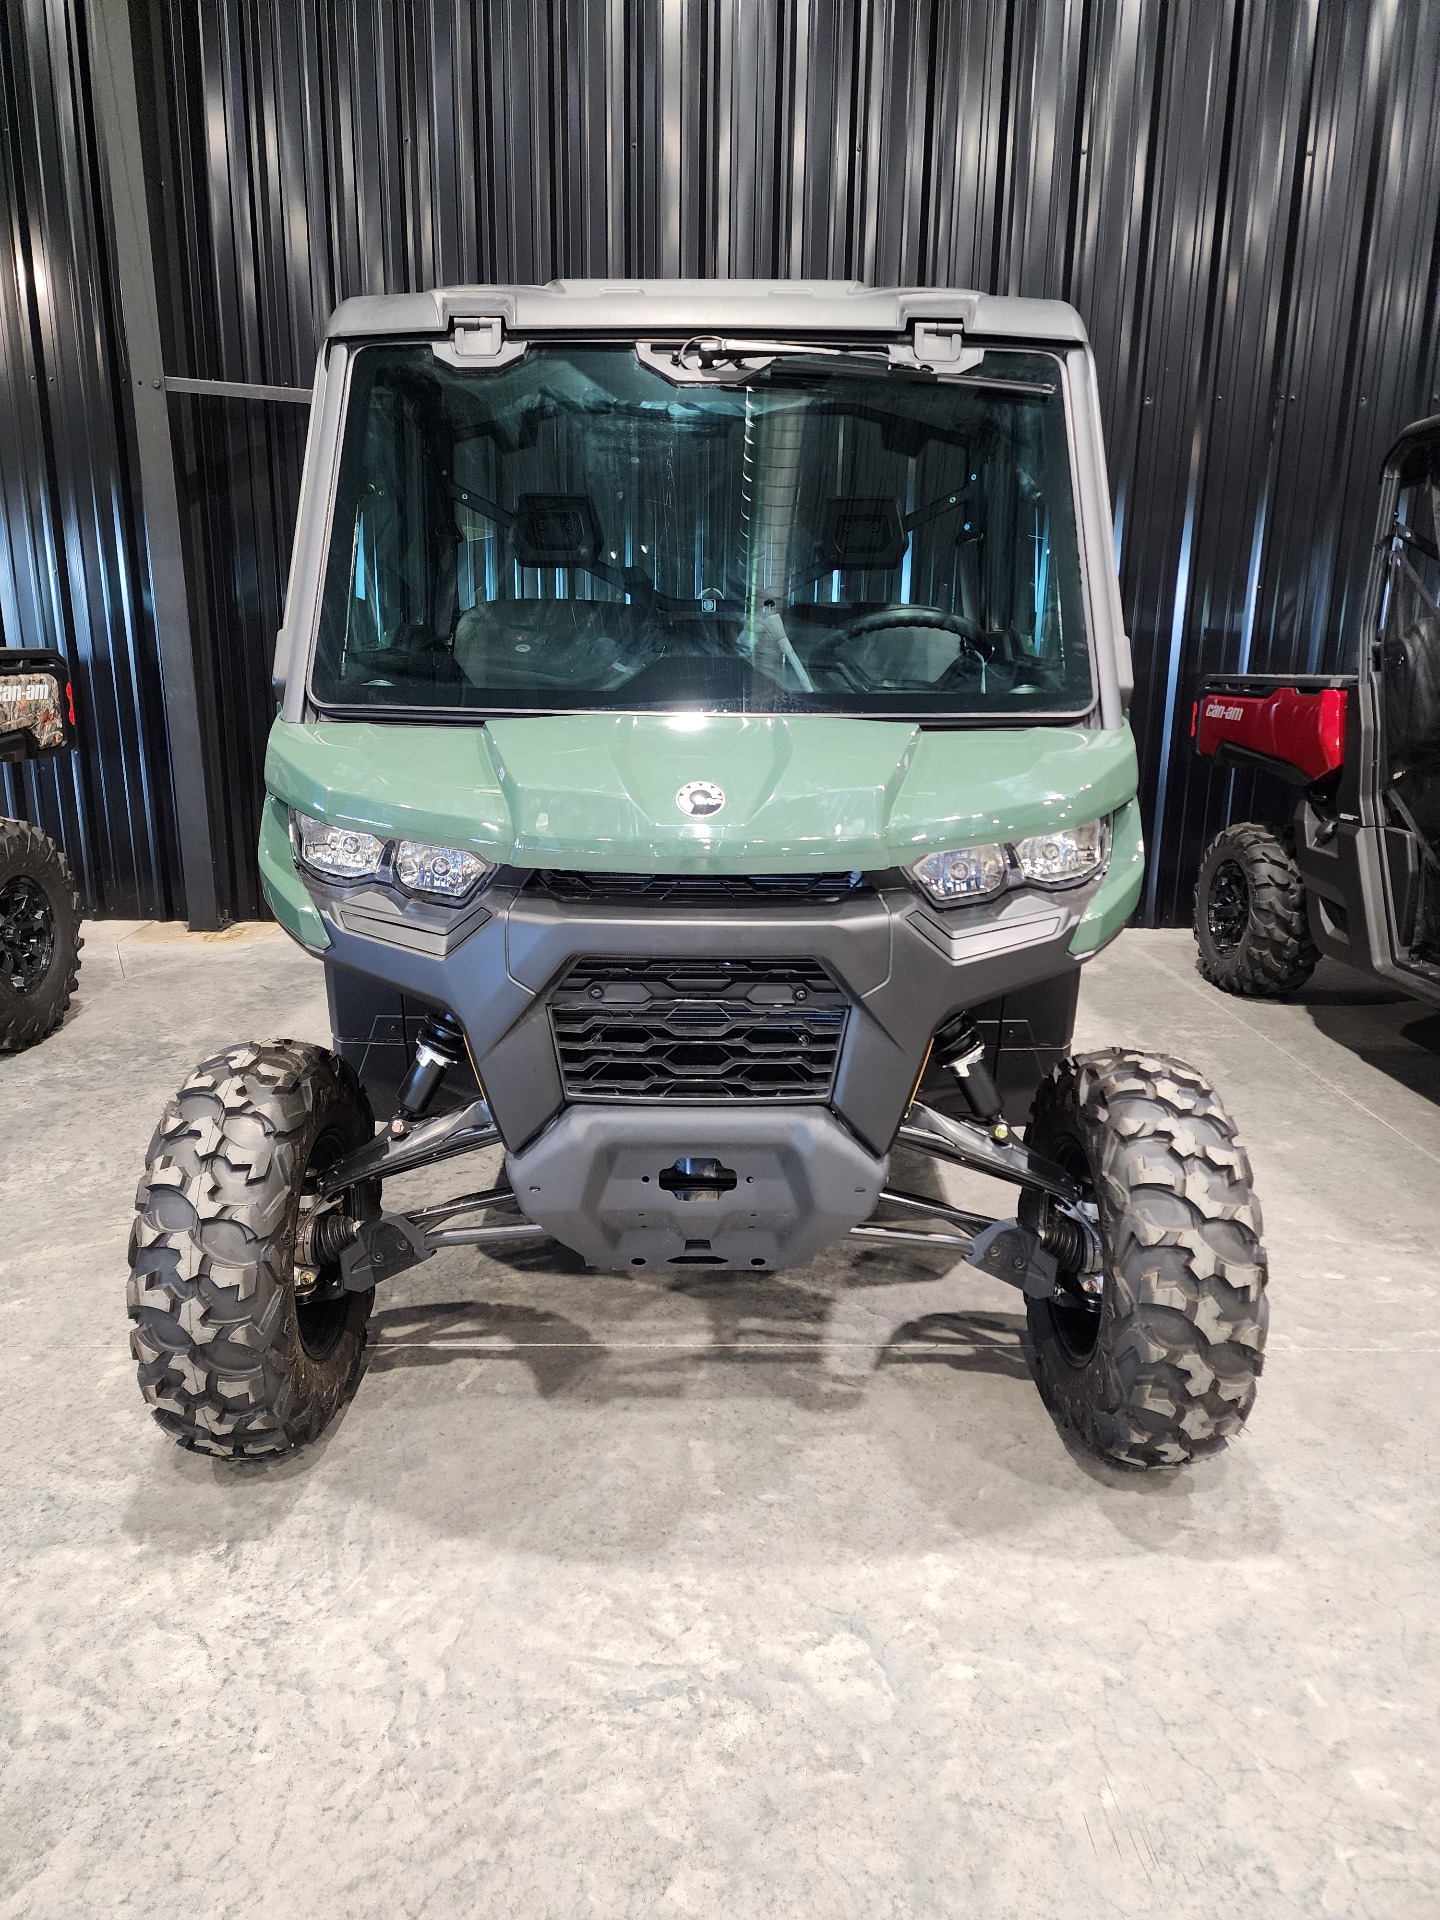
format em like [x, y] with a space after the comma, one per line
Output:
[827, 533]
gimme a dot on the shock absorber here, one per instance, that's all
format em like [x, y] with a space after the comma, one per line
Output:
[440, 1046]
[959, 1047]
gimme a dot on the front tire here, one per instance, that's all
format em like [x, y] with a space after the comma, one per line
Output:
[1251, 924]
[39, 935]
[232, 1360]
[1163, 1369]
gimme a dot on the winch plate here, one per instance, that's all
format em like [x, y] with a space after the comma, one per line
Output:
[627, 1187]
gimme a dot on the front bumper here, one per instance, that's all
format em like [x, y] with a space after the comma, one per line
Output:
[905, 966]
[603, 1180]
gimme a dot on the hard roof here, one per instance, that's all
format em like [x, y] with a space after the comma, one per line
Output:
[636, 306]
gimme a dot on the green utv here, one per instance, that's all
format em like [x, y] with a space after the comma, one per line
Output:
[702, 767]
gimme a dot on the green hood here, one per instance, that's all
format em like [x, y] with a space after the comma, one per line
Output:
[599, 790]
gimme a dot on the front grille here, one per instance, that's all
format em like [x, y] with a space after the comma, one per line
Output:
[701, 889]
[718, 1030]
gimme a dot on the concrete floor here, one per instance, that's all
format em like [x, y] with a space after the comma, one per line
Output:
[611, 1598]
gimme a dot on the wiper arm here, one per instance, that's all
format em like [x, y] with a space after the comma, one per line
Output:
[716, 361]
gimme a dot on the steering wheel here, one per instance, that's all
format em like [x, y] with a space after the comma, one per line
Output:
[935, 618]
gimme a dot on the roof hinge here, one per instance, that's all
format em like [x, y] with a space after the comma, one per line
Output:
[938, 342]
[479, 341]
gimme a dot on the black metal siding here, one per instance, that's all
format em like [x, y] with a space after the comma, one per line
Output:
[1242, 200]
[71, 565]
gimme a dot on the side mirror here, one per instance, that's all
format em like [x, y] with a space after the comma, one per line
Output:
[37, 706]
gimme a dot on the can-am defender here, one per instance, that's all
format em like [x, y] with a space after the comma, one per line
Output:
[1354, 872]
[702, 766]
[39, 908]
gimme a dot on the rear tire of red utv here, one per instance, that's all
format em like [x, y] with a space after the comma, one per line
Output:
[1162, 1368]
[1251, 924]
[39, 935]
[232, 1360]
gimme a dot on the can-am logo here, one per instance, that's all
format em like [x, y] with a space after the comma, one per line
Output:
[700, 798]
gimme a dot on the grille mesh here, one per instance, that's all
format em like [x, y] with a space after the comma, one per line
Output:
[717, 1030]
[701, 889]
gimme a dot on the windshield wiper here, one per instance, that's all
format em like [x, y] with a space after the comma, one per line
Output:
[712, 360]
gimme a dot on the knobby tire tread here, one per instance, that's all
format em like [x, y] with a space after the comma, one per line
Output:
[26, 1019]
[211, 1291]
[1173, 1372]
[1277, 953]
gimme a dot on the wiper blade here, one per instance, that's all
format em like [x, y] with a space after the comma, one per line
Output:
[716, 360]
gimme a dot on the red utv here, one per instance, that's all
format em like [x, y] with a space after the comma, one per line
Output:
[1355, 871]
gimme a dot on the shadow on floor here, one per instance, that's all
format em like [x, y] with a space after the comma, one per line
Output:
[844, 1336]
[652, 1439]
[556, 1350]
[1386, 1028]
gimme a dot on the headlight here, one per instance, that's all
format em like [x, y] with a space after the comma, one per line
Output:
[447, 872]
[337, 852]
[1060, 859]
[1068, 855]
[969, 874]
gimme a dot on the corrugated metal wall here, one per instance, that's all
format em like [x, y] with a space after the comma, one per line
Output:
[1242, 200]
[71, 556]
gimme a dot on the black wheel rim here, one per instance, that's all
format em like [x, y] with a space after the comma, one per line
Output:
[1074, 1313]
[1227, 907]
[27, 934]
[321, 1317]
